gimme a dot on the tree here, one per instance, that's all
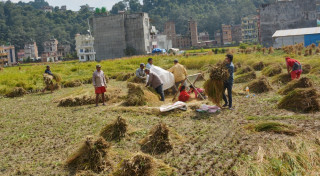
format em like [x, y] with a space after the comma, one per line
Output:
[120, 6]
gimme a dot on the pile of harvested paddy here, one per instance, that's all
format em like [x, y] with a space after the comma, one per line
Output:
[87, 99]
[138, 165]
[138, 95]
[16, 92]
[75, 83]
[124, 76]
[301, 100]
[115, 130]
[52, 82]
[215, 85]
[298, 83]
[272, 70]
[306, 69]
[273, 127]
[243, 70]
[246, 77]
[260, 85]
[137, 80]
[281, 79]
[237, 66]
[157, 141]
[92, 155]
[258, 66]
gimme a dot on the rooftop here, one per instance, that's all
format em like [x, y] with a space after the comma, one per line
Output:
[295, 32]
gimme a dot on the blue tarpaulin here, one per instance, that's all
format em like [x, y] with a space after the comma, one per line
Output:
[158, 50]
[311, 38]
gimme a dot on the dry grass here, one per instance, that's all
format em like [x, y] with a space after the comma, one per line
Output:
[16, 92]
[246, 77]
[115, 130]
[281, 79]
[138, 165]
[260, 85]
[258, 66]
[92, 155]
[298, 83]
[272, 70]
[301, 100]
[157, 141]
[274, 127]
[139, 95]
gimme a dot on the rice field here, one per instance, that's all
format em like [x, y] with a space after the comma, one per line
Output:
[41, 137]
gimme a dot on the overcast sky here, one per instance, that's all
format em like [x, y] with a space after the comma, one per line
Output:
[75, 4]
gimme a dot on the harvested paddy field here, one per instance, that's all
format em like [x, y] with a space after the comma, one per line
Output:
[39, 136]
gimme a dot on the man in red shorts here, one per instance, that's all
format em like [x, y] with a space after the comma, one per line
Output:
[295, 67]
[99, 83]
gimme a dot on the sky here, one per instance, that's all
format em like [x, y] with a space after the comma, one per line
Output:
[75, 4]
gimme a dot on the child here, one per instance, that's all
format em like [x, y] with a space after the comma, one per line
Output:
[195, 91]
[184, 96]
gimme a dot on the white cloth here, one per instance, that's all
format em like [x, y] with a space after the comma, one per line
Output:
[176, 105]
[166, 77]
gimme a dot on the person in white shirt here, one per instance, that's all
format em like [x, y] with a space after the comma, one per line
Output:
[100, 84]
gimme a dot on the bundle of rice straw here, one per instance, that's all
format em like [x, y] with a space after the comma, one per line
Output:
[138, 165]
[214, 86]
[16, 92]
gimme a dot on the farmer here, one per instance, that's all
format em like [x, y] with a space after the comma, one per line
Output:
[295, 67]
[150, 63]
[183, 96]
[229, 83]
[100, 84]
[48, 71]
[155, 82]
[140, 72]
[180, 74]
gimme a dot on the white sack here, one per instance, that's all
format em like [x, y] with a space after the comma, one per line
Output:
[166, 77]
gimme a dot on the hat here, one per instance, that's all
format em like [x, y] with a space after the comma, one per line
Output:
[176, 60]
[142, 64]
[98, 66]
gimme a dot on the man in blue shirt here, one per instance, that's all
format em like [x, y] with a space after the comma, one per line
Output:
[48, 71]
[229, 83]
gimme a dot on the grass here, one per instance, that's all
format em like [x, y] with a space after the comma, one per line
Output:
[295, 117]
[275, 127]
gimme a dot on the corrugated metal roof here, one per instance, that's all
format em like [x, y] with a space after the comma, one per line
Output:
[295, 32]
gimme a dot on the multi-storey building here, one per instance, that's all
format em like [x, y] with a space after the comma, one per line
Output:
[218, 37]
[204, 36]
[250, 29]
[84, 48]
[11, 54]
[170, 32]
[50, 53]
[31, 51]
[226, 34]
[236, 33]
[3, 57]
[193, 32]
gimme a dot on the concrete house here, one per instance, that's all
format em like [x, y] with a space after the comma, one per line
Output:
[84, 48]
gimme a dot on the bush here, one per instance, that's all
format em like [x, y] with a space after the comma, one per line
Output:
[243, 46]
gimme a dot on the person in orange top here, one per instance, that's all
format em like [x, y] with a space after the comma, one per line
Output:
[184, 96]
[295, 67]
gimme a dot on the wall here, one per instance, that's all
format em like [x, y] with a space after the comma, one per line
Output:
[286, 15]
[310, 39]
[289, 40]
[109, 34]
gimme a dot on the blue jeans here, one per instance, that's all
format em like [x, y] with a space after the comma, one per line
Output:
[159, 90]
[228, 86]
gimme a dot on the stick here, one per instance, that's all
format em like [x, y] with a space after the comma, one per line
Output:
[196, 89]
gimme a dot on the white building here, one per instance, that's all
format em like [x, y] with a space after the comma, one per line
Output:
[84, 47]
[163, 42]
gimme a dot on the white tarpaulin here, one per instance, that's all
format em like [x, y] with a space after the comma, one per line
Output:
[166, 77]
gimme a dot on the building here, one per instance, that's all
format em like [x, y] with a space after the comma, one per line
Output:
[121, 35]
[63, 8]
[193, 32]
[203, 36]
[21, 55]
[11, 54]
[183, 42]
[170, 32]
[47, 9]
[250, 29]
[283, 15]
[307, 36]
[31, 50]
[3, 57]
[84, 48]
[50, 53]
[164, 42]
[64, 50]
[236, 33]
[226, 34]
[218, 37]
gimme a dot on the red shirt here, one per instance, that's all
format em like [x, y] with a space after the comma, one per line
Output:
[290, 62]
[184, 96]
